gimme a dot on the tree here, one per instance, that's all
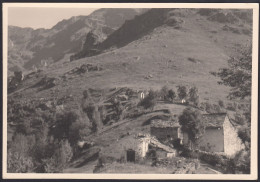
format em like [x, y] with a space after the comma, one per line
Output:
[18, 158]
[221, 103]
[191, 123]
[194, 96]
[118, 108]
[242, 161]
[164, 92]
[63, 124]
[78, 130]
[238, 75]
[60, 158]
[171, 94]
[244, 134]
[182, 92]
[149, 101]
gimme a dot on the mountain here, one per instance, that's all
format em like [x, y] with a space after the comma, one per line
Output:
[29, 47]
[143, 24]
[160, 47]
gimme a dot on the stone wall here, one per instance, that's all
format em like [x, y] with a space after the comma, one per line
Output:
[212, 140]
[232, 143]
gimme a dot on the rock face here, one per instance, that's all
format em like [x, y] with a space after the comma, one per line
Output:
[28, 47]
[90, 47]
[145, 23]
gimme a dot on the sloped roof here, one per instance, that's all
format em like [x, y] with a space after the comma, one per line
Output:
[214, 120]
[165, 124]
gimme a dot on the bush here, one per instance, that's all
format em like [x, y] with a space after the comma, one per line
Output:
[164, 92]
[118, 108]
[182, 92]
[59, 160]
[17, 163]
[78, 130]
[244, 134]
[232, 107]
[211, 158]
[242, 161]
[194, 96]
[239, 118]
[210, 108]
[191, 122]
[149, 101]
[63, 123]
[221, 103]
[18, 158]
[171, 94]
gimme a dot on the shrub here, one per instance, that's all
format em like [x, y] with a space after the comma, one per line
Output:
[242, 161]
[182, 92]
[171, 94]
[211, 158]
[118, 108]
[191, 122]
[59, 160]
[17, 163]
[78, 130]
[194, 96]
[164, 92]
[232, 107]
[18, 158]
[149, 101]
[244, 134]
[63, 123]
[210, 108]
[239, 118]
[221, 103]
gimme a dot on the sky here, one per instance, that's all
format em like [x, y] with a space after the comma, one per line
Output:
[35, 17]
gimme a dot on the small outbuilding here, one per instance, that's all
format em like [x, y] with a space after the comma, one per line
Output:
[166, 130]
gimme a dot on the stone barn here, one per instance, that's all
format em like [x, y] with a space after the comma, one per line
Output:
[220, 135]
[136, 147]
[166, 130]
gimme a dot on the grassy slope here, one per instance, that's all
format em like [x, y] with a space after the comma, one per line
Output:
[121, 68]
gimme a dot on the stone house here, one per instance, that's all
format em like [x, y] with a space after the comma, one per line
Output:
[220, 134]
[166, 130]
[137, 147]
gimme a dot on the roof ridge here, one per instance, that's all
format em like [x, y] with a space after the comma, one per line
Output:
[221, 113]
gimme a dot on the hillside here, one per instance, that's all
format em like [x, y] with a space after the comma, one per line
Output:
[28, 47]
[159, 47]
[171, 56]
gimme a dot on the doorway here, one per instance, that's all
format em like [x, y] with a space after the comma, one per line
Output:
[130, 155]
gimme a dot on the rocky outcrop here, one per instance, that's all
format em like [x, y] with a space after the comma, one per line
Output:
[46, 83]
[90, 47]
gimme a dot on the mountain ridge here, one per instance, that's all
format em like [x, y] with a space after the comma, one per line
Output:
[142, 24]
[28, 46]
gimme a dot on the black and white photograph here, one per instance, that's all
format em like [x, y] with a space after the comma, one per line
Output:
[130, 91]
